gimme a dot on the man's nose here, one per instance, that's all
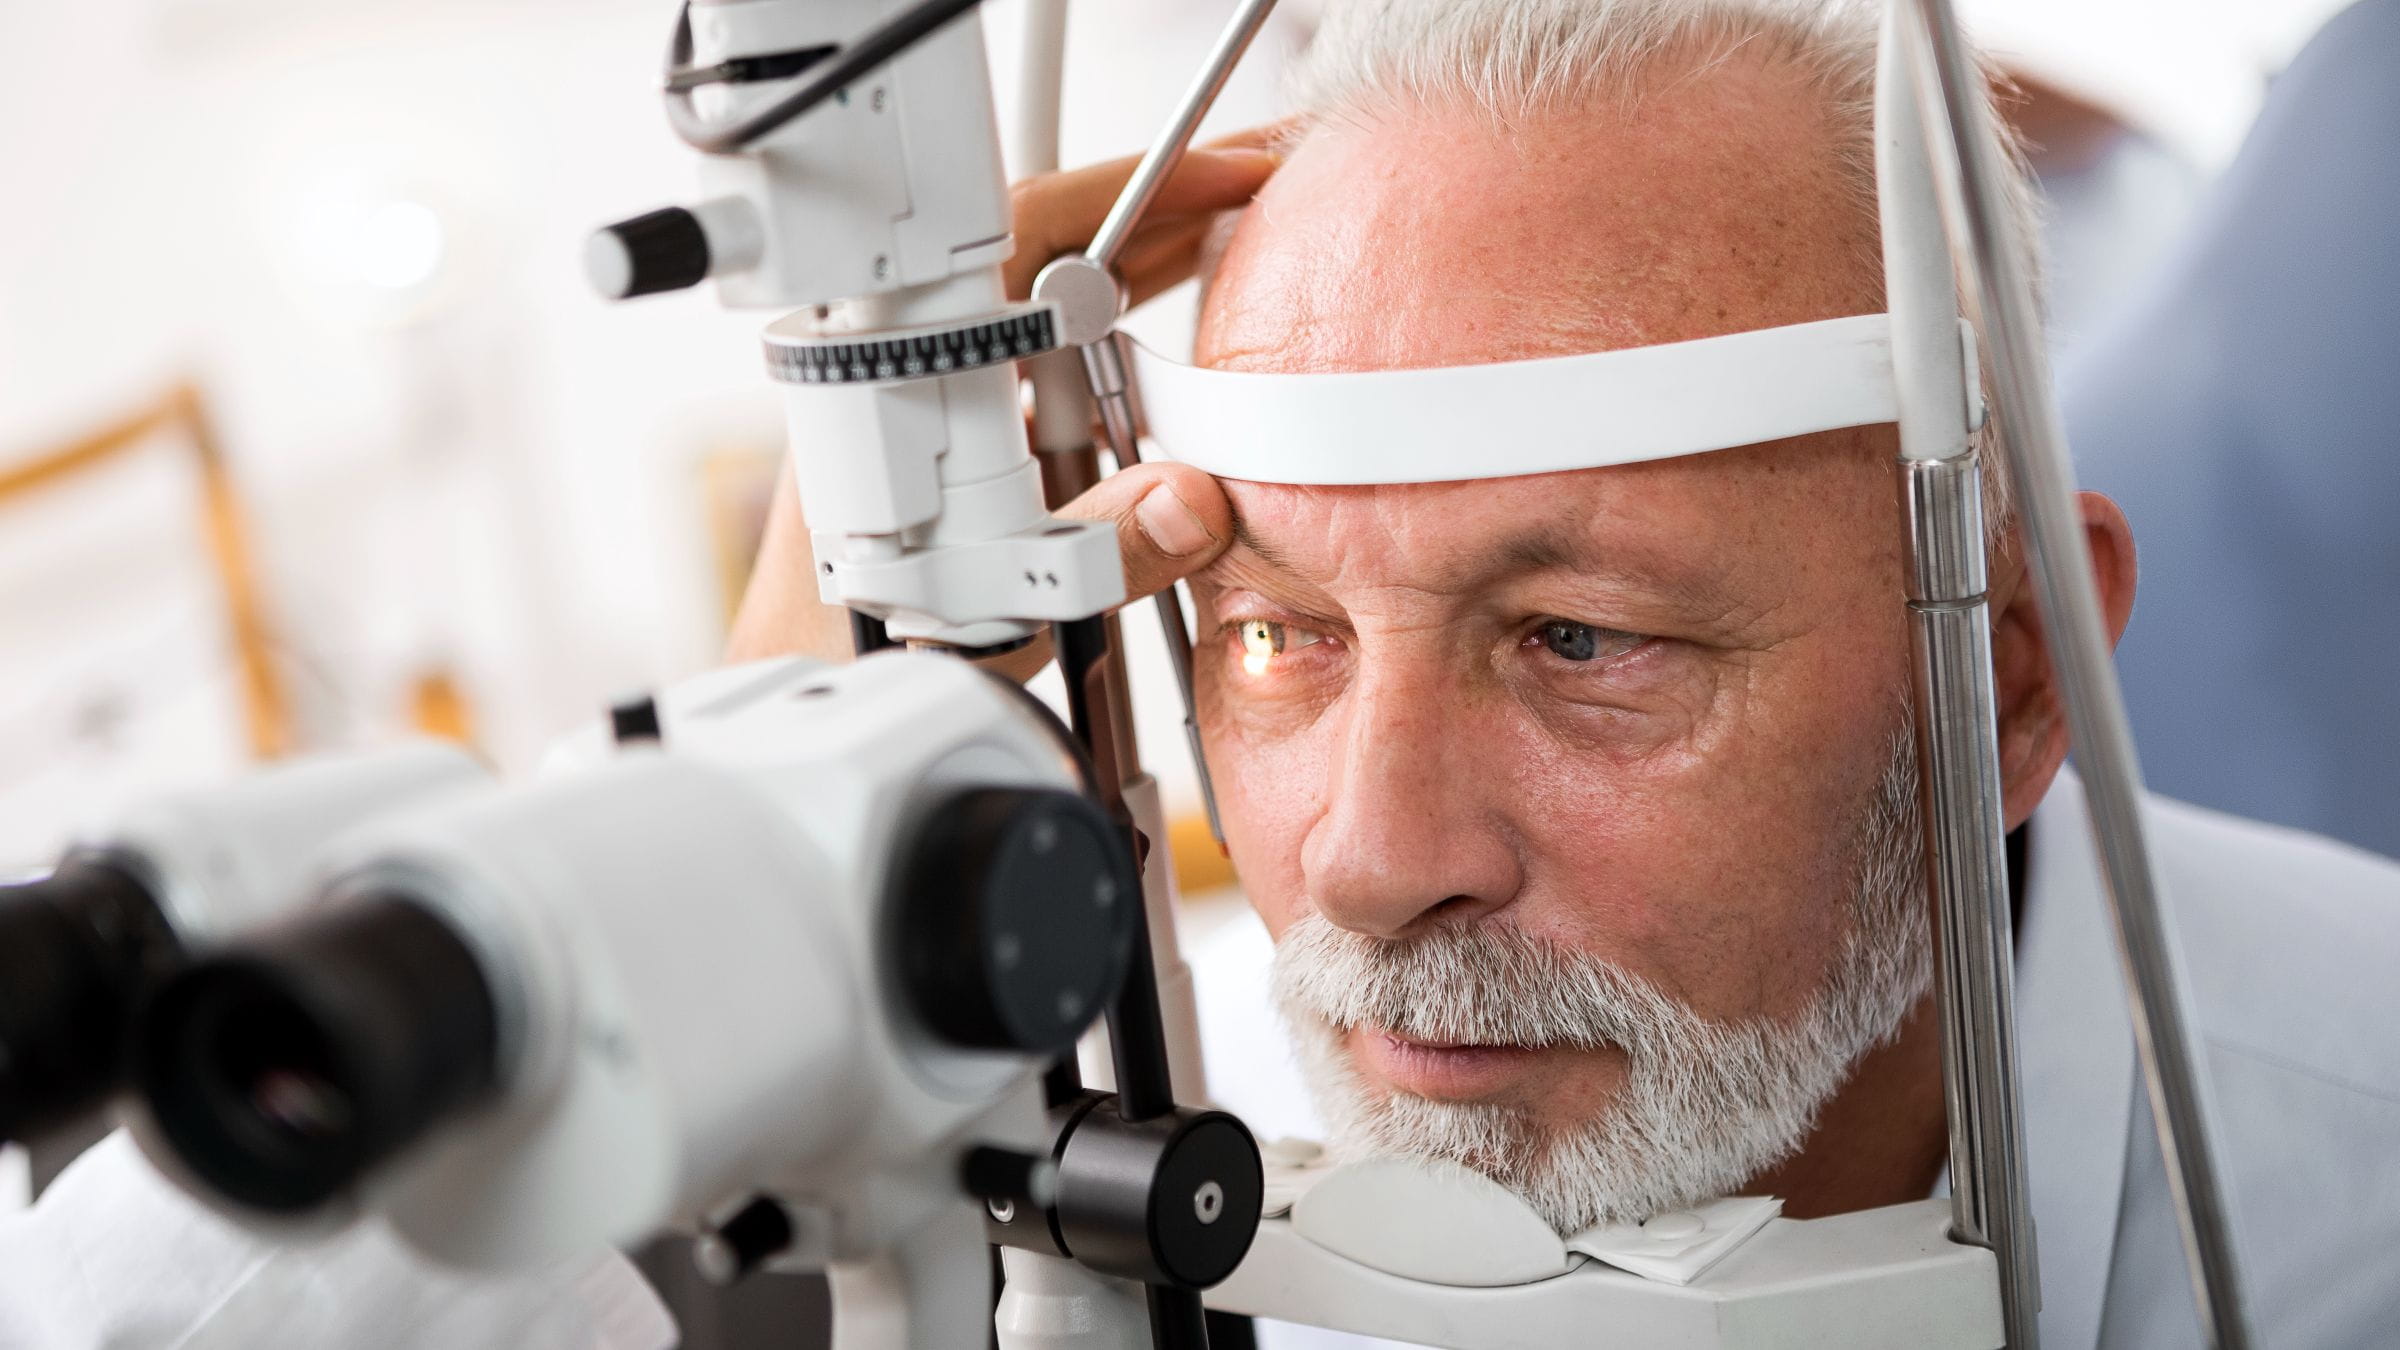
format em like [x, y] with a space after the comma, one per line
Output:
[1410, 835]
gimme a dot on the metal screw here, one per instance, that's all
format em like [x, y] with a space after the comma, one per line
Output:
[1002, 1211]
[1208, 1203]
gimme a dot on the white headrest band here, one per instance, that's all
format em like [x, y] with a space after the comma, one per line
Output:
[1522, 417]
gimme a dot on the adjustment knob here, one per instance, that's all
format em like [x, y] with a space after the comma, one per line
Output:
[1016, 914]
[731, 1251]
[634, 721]
[662, 251]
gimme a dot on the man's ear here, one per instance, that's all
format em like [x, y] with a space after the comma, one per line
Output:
[2033, 716]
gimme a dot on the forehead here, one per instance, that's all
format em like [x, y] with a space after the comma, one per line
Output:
[1710, 203]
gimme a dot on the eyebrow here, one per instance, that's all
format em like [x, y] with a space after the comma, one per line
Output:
[1268, 553]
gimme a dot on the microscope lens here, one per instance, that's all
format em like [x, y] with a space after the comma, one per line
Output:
[283, 1069]
[77, 950]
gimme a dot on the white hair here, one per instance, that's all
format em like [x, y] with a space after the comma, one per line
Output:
[1705, 1106]
[1517, 60]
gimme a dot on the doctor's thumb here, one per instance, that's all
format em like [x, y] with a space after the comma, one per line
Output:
[1172, 520]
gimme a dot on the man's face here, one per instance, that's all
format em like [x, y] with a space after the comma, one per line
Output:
[1632, 719]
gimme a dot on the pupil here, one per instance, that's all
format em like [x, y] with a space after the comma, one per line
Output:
[1571, 641]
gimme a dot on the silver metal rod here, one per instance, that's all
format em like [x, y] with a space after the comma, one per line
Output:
[1967, 864]
[1158, 164]
[1980, 227]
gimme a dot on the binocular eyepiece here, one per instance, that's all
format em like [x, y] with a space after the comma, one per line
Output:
[283, 1069]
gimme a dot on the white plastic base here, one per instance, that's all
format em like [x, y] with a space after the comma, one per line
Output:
[1884, 1279]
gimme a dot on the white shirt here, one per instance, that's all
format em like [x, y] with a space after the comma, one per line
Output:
[2291, 946]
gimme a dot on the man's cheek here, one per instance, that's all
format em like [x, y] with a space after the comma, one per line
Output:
[1268, 792]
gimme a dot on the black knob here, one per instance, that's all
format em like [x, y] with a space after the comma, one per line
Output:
[78, 949]
[1015, 918]
[634, 721]
[1170, 1200]
[662, 251]
[727, 1253]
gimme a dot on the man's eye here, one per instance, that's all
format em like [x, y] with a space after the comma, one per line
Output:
[1572, 641]
[1263, 640]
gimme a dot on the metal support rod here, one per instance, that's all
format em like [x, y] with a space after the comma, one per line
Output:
[1966, 863]
[1158, 163]
[1993, 261]
[1137, 1038]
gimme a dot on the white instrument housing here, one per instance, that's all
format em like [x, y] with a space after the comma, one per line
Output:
[689, 947]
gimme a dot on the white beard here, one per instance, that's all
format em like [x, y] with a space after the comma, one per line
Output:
[1705, 1106]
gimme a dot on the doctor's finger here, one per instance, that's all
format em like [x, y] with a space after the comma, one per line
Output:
[1172, 520]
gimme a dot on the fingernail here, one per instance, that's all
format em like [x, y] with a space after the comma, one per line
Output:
[1171, 525]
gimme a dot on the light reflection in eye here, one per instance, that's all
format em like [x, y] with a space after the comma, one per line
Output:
[1263, 640]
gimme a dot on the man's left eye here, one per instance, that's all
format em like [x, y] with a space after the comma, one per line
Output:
[1572, 641]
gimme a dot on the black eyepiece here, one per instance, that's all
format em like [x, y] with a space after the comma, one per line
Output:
[283, 1069]
[78, 948]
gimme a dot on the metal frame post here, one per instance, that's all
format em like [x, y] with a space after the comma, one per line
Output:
[1992, 262]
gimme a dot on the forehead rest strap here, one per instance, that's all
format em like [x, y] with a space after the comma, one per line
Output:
[1521, 417]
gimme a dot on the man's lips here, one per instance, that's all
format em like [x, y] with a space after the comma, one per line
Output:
[1439, 1072]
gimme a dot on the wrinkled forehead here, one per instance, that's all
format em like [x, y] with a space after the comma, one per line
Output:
[1439, 237]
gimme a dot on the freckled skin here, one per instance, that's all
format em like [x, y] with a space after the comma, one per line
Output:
[1684, 810]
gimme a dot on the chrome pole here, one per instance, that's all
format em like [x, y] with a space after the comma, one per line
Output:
[1966, 845]
[2000, 286]
[1966, 841]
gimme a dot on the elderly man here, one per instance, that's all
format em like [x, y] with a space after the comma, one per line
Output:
[1579, 806]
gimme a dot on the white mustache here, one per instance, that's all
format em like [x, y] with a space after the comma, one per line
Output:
[1492, 984]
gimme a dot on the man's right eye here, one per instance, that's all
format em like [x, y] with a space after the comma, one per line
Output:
[1264, 640]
